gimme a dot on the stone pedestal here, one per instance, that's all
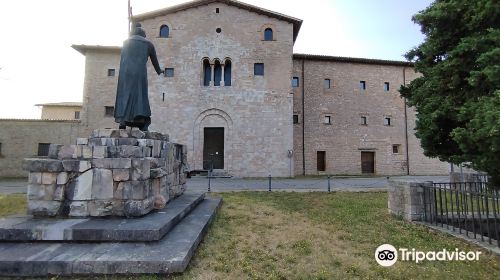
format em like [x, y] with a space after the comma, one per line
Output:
[114, 172]
[406, 198]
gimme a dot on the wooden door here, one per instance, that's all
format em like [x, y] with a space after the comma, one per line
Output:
[213, 148]
[367, 162]
[321, 164]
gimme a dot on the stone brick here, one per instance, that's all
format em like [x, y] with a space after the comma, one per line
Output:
[79, 209]
[44, 208]
[100, 208]
[42, 165]
[119, 163]
[76, 165]
[136, 208]
[81, 187]
[67, 152]
[99, 152]
[157, 172]
[126, 141]
[132, 190]
[136, 133]
[35, 178]
[36, 192]
[125, 151]
[59, 193]
[54, 150]
[62, 178]
[49, 178]
[82, 141]
[145, 142]
[120, 175]
[140, 169]
[102, 184]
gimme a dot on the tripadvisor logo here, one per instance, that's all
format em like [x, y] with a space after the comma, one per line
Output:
[387, 255]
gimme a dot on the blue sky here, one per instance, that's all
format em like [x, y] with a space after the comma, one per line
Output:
[37, 64]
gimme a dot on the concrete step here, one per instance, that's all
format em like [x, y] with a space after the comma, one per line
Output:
[151, 227]
[169, 255]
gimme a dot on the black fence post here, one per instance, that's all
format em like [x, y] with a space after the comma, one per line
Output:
[329, 183]
[269, 182]
[209, 177]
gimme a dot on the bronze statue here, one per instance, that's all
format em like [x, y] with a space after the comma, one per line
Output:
[132, 103]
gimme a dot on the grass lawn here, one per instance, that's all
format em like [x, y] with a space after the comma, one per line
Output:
[261, 235]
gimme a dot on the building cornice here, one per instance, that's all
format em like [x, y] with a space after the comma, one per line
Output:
[316, 57]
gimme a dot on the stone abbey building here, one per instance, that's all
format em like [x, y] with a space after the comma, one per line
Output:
[244, 103]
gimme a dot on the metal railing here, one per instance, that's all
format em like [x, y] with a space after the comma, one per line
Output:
[472, 208]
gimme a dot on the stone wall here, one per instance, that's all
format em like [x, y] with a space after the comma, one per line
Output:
[346, 137]
[111, 173]
[406, 199]
[20, 138]
[60, 112]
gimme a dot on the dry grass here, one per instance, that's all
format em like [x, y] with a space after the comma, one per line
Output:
[12, 204]
[312, 236]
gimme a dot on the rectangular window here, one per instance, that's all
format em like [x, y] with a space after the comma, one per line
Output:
[0, 149]
[169, 72]
[111, 72]
[321, 160]
[327, 83]
[258, 69]
[396, 149]
[43, 149]
[364, 120]
[109, 111]
[387, 121]
[295, 119]
[386, 86]
[295, 82]
[327, 120]
[362, 85]
[77, 115]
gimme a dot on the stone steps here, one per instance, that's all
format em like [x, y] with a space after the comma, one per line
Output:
[169, 255]
[151, 227]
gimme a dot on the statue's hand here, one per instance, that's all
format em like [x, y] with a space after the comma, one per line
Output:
[161, 72]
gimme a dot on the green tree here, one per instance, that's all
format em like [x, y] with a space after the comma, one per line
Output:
[457, 97]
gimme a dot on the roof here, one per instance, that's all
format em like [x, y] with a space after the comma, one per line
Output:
[352, 59]
[62, 104]
[39, 120]
[196, 3]
[84, 48]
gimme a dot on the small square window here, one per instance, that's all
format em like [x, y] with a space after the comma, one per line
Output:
[258, 69]
[386, 86]
[43, 149]
[362, 85]
[396, 149]
[327, 84]
[111, 72]
[109, 111]
[295, 119]
[295, 82]
[364, 120]
[327, 120]
[169, 72]
[387, 121]
[77, 115]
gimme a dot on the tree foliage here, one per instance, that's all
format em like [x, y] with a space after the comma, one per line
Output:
[457, 97]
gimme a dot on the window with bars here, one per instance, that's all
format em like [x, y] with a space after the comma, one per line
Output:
[43, 149]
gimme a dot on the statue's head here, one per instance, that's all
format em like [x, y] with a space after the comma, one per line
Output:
[137, 30]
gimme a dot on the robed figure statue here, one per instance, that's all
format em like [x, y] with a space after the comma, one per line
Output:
[132, 103]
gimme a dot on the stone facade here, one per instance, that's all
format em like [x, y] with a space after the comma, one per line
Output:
[256, 111]
[112, 173]
[61, 111]
[347, 135]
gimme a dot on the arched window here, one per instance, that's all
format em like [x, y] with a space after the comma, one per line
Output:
[164, 31]
[217, 73]
[227, 73]
[207, 73]
[268, 34]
